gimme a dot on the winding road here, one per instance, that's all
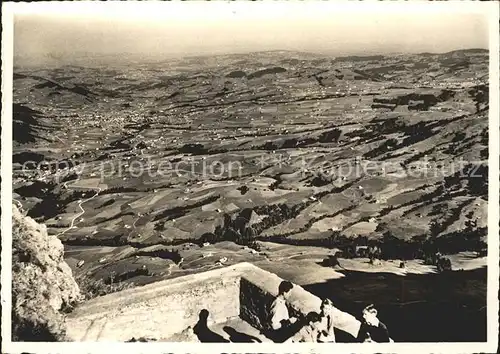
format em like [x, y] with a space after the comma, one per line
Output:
[71, 226]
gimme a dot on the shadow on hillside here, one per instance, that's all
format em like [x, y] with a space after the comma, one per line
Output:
[447, 307]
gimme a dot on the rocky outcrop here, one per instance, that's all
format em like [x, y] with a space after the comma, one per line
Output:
[42, 283]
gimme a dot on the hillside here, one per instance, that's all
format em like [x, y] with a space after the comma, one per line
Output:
[315, 151]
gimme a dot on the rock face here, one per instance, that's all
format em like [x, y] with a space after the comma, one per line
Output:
[42, 282]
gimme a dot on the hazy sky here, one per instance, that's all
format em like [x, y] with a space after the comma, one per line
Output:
[201, 27]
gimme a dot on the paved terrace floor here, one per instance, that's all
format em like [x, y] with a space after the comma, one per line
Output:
[234, 330]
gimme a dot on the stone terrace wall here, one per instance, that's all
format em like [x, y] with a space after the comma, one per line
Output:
[254, 304]
[162, 309]
[258, 290]
[157, 310]
[256, 298]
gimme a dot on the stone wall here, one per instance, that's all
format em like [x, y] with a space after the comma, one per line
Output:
[254, 304]
[162, 309]
[256, 300]
[157, 310]
[258, 290]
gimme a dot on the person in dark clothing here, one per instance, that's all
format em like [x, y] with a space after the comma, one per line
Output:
[282, 334]
[372, 330]
[205, 335]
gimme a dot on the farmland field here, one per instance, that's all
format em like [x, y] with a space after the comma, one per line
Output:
[160, 169]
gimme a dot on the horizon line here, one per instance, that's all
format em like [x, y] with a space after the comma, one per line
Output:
[180, 55]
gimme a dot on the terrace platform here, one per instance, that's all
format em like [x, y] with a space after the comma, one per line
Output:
[236, 297]
[235, 330]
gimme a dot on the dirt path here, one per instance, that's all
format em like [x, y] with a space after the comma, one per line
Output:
[71, 226]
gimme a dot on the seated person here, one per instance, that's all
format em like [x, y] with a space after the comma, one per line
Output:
[372, 330]
[310, 331]
[327, 334]
[318, 327]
